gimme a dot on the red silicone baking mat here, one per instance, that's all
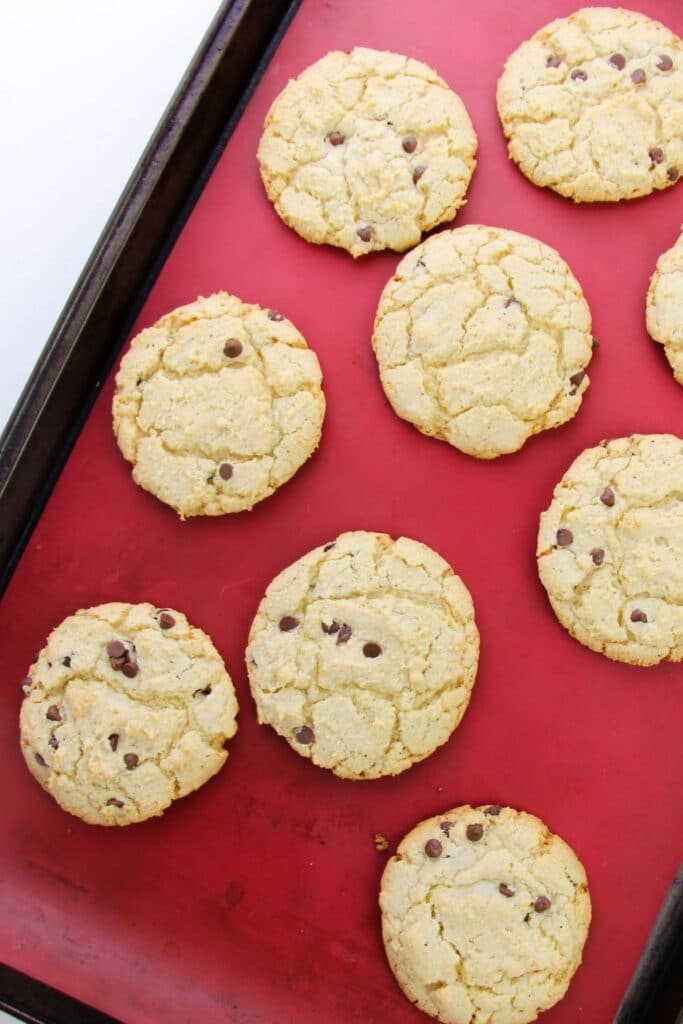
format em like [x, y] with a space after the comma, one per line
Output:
[255, 900]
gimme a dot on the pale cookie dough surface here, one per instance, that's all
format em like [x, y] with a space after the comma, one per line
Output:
[592, 105]
[363, 654]
[366, 150]
[482, 336]
[489, 928]
[610, 549]
[665, 306]
[115, 738]
[217, 405]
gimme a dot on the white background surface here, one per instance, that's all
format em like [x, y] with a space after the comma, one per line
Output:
[82, 85]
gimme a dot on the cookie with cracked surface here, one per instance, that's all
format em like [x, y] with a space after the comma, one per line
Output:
[363, 654]
[482, 337]
[592, 105]
[366, 150]
[664, 310]
[484, 916]
[217, 405]
[126, 709]
[610, 549]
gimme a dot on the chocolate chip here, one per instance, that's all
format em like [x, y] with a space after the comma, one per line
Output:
[274, 315]
[417, 174]
[474, 832]
[53, 713]
[66, 661]
[130, 669]
[673, 174]
[288, 623]
[505, 890]
[118, 663]
[113, 740]
[25, 685]
[116, 649]
[433, 848]
[225, 471]
[113, 802]
[166, 621]
[131, 761]
[494, 810]
[665, 62]
[638, 76]
[564, 538]
[304, 734]
[372, 650]
[598, 556]
[41, 760]
[365, 234]
[202, 693]
[328, 547]
[333, 627]
[578, 74]
[409, 143]
[232, 348]
[344, 634]
[553, 61]
[656, 155]
[54, 742]
[336, 138]
[541, 904]
[638, 615]
[607, 497]
[576, 378]
[618, 61]
[446, 826]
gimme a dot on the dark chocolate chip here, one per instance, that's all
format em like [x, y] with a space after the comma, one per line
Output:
[274, 315]
[304, 734]
[333, 627]
[113, 740]
[113, 802]
[618, 61]
[53, 713]
[225, 471]
[665, 62]
[598, 556]
[365, 234]
[607, 497]
[288, 623]
[564, 537]
[638, 76]
[372, 650]
[336, 138]
[41, 760]
[54, 742]
[409, 143]
[576, 378]
[578, 74]
[433, 848]
[494, 810]
[166, 621]
[673, 174]
[344, 634]
[328, 547]
[232, 348]
[116, 649]
[505, 890]
[118, 663]
[130, 669]
[25, 685]
[638, 615]
[202, 693]
[446, 826]
[553, 61]
[656, 155]
[131, 761]
[541, 904]
[474, 832]
[417, 174]
[67, 661]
